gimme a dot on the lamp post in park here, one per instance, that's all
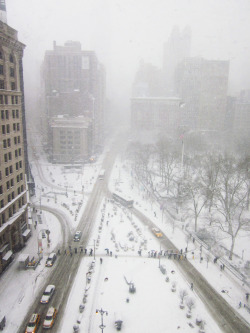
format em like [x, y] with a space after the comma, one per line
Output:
[102, 312]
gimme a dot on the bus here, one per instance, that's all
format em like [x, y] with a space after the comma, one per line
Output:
[101, 174]
[125, 201]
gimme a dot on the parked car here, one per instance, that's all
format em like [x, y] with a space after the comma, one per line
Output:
[50, 318]
[33, 324]
[51, 259]
[48, 293]
[77, 236]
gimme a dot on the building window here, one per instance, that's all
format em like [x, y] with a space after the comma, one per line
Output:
[1, 189]
[11, 58]
[12, 72]
[13, 114]
[11, 169]
[1, 69]
[7, 114]
[1, 99]
[3, 129]
[17, 164]
[14, 127]
[17, 113]
[20, 164]
[13, 195]
[17, 178]
[5, 144]
[9, 197]
[16, 99]
[12, 100]
[3, 218]
[2, 203]
[5, 158]
[15, 140]
[18, 191]
[18, 129]
[2, 115]
[6, 99]
[13, 86]
[8, 128]
[10, 156]
[6, 172]
[10, 212]
[8, 185]
[12, 182]
[1, 55]
[9, 143]
[1, 84]
[20, 152]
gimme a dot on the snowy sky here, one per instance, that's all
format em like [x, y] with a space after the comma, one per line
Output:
[123, 32]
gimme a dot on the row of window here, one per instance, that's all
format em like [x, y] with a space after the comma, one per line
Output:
[11, 210]
[10, 183]
[11, 57]
[8, 156]
[11, 196]
[5, 114]
[12, 85]
[6, 128]
[9, 169]
[12, 71]
[4, 99]
[7, 142]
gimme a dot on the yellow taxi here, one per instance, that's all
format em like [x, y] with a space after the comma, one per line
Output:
[33, 324]
[157, 232]
[50, 318]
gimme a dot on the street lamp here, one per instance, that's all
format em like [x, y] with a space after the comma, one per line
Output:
[102, 326]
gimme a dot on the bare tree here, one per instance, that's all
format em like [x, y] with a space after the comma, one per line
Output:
[198, 198]
[210, 175]
[190, 304]
[182, 294]
[231, 198]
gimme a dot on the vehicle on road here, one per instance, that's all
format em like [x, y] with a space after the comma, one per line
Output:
[48, 293]
[50, 318]
[125, 201]
[33, 324]
[51, 259]
[157, 232]
[101, 174]
[77, 236]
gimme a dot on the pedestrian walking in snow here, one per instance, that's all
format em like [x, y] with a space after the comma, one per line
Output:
[101, 260]
[85, 251]
[192, 286]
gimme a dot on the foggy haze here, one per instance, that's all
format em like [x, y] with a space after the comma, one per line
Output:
[124, 32]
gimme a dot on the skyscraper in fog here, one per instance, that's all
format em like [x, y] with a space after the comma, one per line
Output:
[202, 85]
[13, 148]
[176, 49]
[74, 85]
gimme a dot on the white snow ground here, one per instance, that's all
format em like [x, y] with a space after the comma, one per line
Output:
[154, 307]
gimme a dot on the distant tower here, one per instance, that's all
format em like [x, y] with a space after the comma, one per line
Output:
[3, 16]
[175, 50]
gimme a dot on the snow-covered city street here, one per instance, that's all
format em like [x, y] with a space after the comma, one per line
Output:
[123, 251]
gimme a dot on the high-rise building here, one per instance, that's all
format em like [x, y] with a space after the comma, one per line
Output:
[14, 229]
[202, 85]
[241, 123]
[74, 85]
[176, 49]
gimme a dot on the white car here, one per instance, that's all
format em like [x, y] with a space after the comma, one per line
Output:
[48, 293]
